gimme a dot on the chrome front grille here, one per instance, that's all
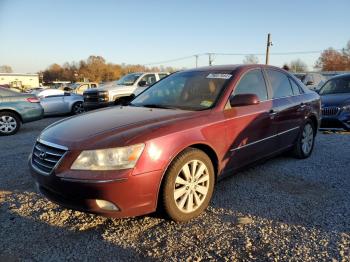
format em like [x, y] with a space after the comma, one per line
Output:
[330, 111]
[46, 155]
[95, 97]
[91, 97]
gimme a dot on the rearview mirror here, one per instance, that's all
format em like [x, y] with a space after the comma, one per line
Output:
[309, 83]
[244, 100]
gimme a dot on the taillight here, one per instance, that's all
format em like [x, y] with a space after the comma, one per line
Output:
[33, 100]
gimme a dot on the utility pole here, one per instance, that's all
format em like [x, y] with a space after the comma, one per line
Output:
[210, 59]
[196, 56]
[269, 43]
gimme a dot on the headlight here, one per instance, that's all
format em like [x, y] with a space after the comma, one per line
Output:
[346, 108]
[108, 159]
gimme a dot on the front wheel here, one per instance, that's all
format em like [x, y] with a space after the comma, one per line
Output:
[188, 185]
[306, 140]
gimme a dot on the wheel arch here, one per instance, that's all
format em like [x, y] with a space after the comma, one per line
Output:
[12, 111]
[74, 103]
[314, 121]
[207, 149]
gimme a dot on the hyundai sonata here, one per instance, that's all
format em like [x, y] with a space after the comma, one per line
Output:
[174, 141]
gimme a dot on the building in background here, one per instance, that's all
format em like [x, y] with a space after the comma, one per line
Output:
[19, 81]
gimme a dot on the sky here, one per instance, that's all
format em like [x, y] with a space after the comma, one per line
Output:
[37, 33]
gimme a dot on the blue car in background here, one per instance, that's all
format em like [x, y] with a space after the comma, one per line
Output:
[335, 103]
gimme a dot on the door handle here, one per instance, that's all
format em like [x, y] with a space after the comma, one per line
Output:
[273, 113]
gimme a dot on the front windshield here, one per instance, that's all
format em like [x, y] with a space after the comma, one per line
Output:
[336, 86]
[185, 90]
[128, 80]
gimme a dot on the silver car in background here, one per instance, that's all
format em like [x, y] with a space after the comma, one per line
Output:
[66, 103]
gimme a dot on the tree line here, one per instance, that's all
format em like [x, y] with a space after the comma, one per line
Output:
[329, 60]
[94, 69]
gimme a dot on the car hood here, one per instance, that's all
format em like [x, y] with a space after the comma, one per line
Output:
[335, 99]
[86, 130]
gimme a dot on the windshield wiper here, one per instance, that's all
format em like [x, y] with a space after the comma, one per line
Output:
[158, 106]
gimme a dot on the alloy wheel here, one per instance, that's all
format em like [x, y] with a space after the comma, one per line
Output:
[307, 139]
[191, 186]
[7, 124]
[78, 108]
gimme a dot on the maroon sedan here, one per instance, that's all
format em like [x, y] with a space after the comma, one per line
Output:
[173, 142]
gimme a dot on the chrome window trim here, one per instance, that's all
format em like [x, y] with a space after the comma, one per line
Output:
[258, 141]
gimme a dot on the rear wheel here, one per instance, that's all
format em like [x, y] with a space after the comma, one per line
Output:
[188, 185]
[77, 108]
[306, 140]
[9, 123]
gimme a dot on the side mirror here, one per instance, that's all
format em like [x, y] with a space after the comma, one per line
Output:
[244, 100]
[124, 101]
[142, 83]
[309, 83]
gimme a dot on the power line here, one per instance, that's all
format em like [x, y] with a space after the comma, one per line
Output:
[236, 54]
[173, 60]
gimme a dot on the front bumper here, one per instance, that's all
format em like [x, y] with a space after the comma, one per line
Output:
[134, 195]
[342, 120]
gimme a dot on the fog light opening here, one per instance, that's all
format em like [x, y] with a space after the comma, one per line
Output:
[106, 205]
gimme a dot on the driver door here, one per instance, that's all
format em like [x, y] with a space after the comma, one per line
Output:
[250, 130]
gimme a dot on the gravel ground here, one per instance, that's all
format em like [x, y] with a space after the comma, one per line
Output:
[284, 209]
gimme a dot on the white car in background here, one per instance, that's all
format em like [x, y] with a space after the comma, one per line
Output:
[121, 91]
[58, 102]
[48, 92]
[313, 80]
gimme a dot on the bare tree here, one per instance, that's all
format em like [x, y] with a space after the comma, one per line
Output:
[251, 59]
[298, 66]
[5, 69]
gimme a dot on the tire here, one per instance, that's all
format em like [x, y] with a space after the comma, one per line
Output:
[189, 197]
[77, 108]
[9, 123]
[306, 141]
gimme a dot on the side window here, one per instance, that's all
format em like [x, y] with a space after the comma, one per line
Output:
[280, 84]
[252, 82]
[162, 76]
[295, 87]
[149, 78]
[82, 88]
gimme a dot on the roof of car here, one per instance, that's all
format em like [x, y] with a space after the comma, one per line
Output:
[230, 67]
[341, 76]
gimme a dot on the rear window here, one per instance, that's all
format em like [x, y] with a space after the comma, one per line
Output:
[7, 92]
[280, 84]
[295, 87]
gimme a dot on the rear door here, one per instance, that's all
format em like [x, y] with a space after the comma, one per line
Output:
[250, 131]
[288, 108]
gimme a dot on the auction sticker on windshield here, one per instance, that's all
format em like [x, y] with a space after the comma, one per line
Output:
[219, 76]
